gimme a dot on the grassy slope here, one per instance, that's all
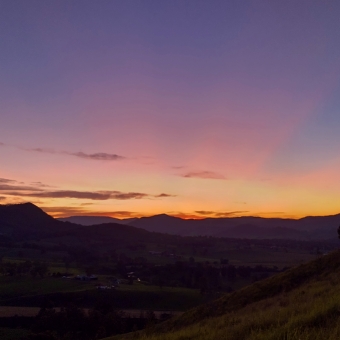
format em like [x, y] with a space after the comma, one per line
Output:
[302, 303]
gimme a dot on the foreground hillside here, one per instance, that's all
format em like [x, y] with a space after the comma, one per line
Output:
[302, 303]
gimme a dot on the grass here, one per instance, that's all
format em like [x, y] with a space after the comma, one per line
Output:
[300, 304]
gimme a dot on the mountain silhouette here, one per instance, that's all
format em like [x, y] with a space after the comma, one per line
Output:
[311, 227]
[27, 220]
[22, 222]
[94, 220]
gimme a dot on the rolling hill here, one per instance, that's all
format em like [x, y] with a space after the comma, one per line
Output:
[307, 228]
[94, 220]
[27, 222]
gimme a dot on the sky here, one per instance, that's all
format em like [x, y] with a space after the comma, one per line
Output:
[192, 108]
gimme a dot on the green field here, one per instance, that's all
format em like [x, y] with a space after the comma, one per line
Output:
[15, 288]
[27, 291]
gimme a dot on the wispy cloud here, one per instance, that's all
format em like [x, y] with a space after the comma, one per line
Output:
[41, 150]
[91, 195]
[204, 212]
[6, 187]
[98, 156]
[230, 213]
[65, 194]
[11, 184]
[200, 214]
[41, 185]
[6, 180]
[40, 190]
[203, 174]
[69, 211]
[186, 216]
[164, 195]
[63, 211]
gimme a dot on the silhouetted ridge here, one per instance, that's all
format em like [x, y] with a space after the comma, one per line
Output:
[27, 220]
[24, 213]
[94, 220]
[162, 224]
[307, 228]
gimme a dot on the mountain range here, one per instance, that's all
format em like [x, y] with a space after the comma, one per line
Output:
[307, 228]
[27, 220]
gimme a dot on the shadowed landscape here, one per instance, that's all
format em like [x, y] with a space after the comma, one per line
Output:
[120, 278]
[169, 170]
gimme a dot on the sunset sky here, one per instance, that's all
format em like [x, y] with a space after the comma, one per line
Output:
[192, 108]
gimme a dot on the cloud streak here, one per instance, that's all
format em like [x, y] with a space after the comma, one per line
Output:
[164, 195]
[202, 214]
[203, 175]
[6, 180]
[220, 214]
[98, 156]
[40, 190]
[5, 187]
[91, 195]
[63, 211]
[231, 213]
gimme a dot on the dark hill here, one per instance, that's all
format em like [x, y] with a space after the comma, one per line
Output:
[116, 234]
[164, 224]
[94, 220]
[307, 228]
[24, 214]
[27, 221]
[22, 222]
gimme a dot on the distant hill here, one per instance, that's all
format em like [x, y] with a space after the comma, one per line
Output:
[94, 220]
[27, 220]
[307, 228]
[23, 222]
[301, 303]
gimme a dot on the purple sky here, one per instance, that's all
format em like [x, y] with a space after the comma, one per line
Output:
[131, 108]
